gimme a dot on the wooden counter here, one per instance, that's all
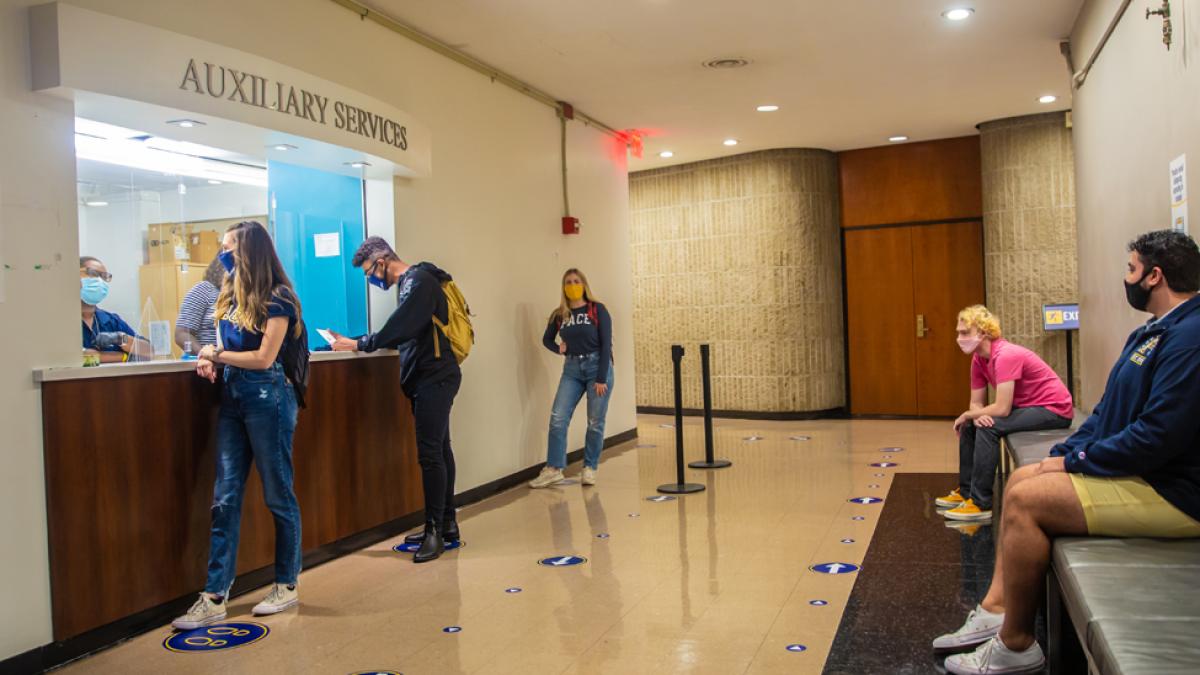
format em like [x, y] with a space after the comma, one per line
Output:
[130, 462]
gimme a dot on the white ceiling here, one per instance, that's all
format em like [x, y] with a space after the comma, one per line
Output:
[846, 73]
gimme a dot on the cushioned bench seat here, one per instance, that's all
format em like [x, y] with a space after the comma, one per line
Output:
[1030, 447]
[1134, 603]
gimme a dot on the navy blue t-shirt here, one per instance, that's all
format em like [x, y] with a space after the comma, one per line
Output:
[105, 322]
[237, 339]
[588, 331]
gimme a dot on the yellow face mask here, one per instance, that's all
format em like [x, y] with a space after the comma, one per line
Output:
[574, 292]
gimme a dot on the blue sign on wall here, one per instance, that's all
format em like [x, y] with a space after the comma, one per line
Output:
[1060, 317]
[216, 637]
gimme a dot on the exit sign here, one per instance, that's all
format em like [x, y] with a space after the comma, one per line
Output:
[1060, 317]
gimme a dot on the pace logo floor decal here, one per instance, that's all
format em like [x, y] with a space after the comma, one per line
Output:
[216, 637]
[865, 500]
[412, 548]
[796, 649]
[834, 568]
[563, 561]
[661, 498]
[378, 672]
[885, 465]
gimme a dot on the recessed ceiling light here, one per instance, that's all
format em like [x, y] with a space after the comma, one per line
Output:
[1048, 98]
[958, 14]
[284, 147]
[897, 139]
[666, 154]
[767, 108]
[357, 165]
[97, 203]
[186, 124]
[214, 182]
[731, 141]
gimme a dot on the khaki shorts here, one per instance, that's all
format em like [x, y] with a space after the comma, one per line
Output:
[1129, 507]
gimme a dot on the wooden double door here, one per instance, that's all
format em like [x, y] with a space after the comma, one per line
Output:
[905, 286]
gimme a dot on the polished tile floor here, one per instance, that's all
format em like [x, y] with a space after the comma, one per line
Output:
[715, 582]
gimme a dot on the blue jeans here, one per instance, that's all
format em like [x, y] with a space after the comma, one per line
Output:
[578, 378]
[256, 423]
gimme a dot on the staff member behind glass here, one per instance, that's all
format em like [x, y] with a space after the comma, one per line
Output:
[585, 327]
[106, 333]
[257, 312]
[430, 381]
[195, 326]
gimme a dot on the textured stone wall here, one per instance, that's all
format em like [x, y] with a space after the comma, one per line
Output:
[1029, 227]
[742, 253]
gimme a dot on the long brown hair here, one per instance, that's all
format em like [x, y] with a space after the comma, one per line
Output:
[562, 313]
[258, 279]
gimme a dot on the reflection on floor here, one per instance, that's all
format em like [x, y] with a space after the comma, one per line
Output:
[715, 582]
[921, 576]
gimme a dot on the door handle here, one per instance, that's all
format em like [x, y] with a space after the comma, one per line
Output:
[922, 329]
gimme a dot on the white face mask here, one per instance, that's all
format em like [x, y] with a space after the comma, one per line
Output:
[969, 343]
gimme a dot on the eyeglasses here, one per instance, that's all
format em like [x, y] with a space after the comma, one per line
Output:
[97, 274]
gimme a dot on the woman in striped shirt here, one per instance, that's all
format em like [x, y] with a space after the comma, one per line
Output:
[195, 326]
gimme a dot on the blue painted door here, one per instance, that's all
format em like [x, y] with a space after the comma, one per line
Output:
[317, 222]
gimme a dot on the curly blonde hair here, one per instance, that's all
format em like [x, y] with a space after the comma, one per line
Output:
[978, 316]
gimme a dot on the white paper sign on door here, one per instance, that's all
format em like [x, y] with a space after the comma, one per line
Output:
[328, 245]
[1179, 205]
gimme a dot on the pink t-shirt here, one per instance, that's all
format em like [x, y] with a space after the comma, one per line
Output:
[1037, 385]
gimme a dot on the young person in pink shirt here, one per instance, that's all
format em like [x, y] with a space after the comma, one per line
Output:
[1029, 397]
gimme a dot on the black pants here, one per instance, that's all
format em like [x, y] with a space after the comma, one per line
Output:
[979, 449]
[431, 406]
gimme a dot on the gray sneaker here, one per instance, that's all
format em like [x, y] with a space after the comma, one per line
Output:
[280, 598]
[204, 613]
[980, 627]
[549, 476]
[993, 658]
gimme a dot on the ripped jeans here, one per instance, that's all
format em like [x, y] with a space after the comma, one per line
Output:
[256, 424]
[578, 378]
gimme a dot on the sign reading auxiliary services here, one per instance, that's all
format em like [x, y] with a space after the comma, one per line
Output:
[1179, 205]
[75, 49]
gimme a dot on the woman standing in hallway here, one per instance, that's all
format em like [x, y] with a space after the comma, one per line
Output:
[257, 315]
[585, 328]
[1029, 397]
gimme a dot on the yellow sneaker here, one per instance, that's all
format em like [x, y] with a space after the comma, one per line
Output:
[951, 500]
[969, 512]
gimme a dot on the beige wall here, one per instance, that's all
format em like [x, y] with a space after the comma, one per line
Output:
[1029, 227]
[742, 253]
[489, 213]
[1138, 110]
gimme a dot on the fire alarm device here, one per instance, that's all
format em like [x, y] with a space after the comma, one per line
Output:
[570, 225]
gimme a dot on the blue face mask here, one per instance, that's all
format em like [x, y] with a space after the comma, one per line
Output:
[92, 290]
[381, 284]
[226, 258]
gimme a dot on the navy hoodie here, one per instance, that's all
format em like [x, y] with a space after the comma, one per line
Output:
[410, 329]
[1148, 422]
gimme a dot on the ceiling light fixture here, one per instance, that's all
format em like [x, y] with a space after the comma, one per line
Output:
[731, 142]
[186, 124]
[958, 14]
[284, 147]
[666, 154]
[215, 182]
[96, 203]
[1048, 98]
[357, 165]
[897, 139]
[767, 108]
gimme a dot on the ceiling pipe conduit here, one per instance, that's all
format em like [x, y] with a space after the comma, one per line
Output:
[1080, 77]
[473, 63]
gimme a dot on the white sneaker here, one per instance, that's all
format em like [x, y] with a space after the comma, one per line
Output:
[980, 627]
[549, 476]
[589, 476]
[280, 598]
[993, 658]
[205, 612]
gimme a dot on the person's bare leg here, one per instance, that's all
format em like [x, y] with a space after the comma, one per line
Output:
[1035, 510]
[994, 600]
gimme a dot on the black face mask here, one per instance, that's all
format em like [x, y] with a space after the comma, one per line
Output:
[1138, 297]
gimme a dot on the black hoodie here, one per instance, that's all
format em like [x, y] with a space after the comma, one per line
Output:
[410, 329]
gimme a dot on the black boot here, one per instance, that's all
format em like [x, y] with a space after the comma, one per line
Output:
[449, 533]
[431, 544]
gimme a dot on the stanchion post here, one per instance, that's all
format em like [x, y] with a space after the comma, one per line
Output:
[679, 487]
[706, 373]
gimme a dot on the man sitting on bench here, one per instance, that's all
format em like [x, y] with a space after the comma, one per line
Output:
[1132, 469]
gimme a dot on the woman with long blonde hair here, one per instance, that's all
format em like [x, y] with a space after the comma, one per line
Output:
[258, 316]
[585, 328]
